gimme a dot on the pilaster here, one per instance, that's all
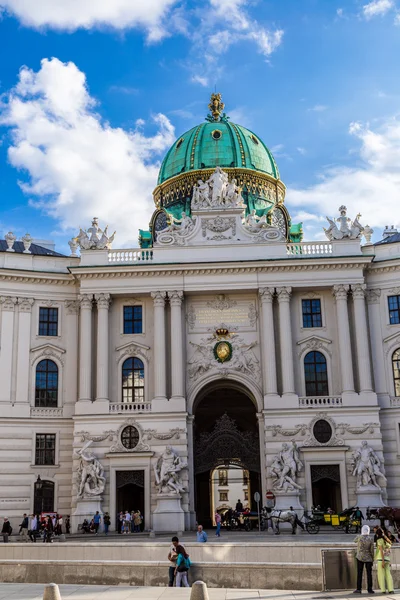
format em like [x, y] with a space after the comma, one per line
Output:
[24, 340]
[268, 341]
[340, 293]
[102, 392]
[159, 344]
[7, 304]
[177, 364]
[85, 348]
[71, 362]
[285, 334]
[361, 335]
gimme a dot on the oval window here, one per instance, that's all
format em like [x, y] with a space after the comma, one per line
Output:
[322, 431]
[216, 134]
[130, 437]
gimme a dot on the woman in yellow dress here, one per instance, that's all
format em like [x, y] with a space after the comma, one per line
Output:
[382, 557]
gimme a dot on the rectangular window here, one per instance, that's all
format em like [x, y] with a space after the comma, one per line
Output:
[48, 321]
[133, 319]
[223, 496]
[246, 495]
[223, 477]
[45, 449]
[394, 309]
[311, 313]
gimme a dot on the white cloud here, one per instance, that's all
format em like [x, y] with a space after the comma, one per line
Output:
[70, 15]
[397, 19]
[301, 150]
[371, 188]
[77, 165]
[318, 108]
[339, 12]
[200, 79]
[377, 8]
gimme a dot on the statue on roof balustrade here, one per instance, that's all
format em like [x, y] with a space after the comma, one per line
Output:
[347, 229]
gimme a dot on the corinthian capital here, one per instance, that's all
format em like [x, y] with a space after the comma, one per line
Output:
[103, 300]
[159, 298]
[8, 302]
[25, 304]
[71, 307]
[284, 294]
[373, 296]
[340, 291]
[85, 301]
[267, 294]
[358, 290]
[175, 298]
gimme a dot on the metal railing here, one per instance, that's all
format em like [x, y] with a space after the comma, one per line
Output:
[130, 256]
[320, 401]
[309, 249]
[130, 407]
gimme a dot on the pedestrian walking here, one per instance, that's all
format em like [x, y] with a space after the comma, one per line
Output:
[217, 518]
[6, 530]
[382, 557]
[48, 530]
[67, 524]
[32, 527]
[137, 521]
[201, 534]
[172, 557]
[23, 528]
[358, 517]
[127, 522]
[120, 522]
[365, 558]
[107, 522]
[182, 567]
[96, 522]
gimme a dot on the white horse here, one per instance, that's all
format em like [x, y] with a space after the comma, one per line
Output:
[283, 516]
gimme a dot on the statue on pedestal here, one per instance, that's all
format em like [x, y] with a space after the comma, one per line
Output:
[94, 238]
[352, 231]
[366, 466]
[285, 467]
[168, 472]
[90, 473]
[217, 192]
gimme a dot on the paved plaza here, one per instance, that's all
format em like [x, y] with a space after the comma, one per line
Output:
[13, 591]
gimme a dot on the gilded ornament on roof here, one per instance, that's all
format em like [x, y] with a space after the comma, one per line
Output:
[216, 106]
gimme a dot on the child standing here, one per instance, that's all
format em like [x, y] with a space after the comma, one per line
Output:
[182, 567]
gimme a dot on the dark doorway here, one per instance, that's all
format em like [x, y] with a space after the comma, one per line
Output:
[326, 487]
[225, 436]
[43, 500]
[130, 492]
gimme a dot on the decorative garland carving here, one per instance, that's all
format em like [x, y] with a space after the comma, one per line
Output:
[150, 434]
[86, 436]
[279, 430]
[218, 225]
[370, 427]
[252, 314]
[221, 302]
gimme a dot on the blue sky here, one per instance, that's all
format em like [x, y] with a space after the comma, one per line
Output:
[93, 92]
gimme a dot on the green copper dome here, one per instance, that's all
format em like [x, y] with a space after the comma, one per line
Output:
[217, 143]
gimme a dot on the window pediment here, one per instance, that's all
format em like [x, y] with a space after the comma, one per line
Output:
[47, 351]
[314, 342]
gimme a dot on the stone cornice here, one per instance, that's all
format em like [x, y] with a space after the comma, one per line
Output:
[36, 277]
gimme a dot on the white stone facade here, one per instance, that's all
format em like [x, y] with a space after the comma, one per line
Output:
[253, 290]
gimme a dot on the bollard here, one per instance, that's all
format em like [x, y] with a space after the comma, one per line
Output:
[51, 592]
[199, 591]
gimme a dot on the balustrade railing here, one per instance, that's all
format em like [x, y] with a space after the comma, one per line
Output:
[46, 412]
[320, 401]
[130, 256]
[309, 249]
[130, 407]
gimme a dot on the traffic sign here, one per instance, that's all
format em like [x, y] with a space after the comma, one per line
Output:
[270, 496]
[257, 497]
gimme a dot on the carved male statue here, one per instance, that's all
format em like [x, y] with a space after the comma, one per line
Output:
[285, 467]
[90, 472]
[167, 472]
[218, 181]
[367, 466]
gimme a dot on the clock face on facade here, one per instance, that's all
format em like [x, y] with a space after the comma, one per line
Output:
[278, 220]
[160, 222]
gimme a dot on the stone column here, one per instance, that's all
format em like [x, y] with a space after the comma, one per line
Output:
[361, 335]
[24, 343]
[159, 353]
[190, 442]
[7, 304]
[346, 362]
[285, 334]
[268, 340]
[71, 354]
[177, 387]
[103, 304]
[85, 348]
[378, 361]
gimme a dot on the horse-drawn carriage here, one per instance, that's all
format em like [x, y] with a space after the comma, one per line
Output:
[345, 521]
[385, 513]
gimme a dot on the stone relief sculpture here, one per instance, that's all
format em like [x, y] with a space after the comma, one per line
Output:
[167, 472]
[217, 192]
[94, 238]
[254, 223]
[352, 231]
[285, 467]
[90, 473]
[366, 466]
[177, 230]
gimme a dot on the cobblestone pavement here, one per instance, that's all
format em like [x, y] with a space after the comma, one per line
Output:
[15, 591]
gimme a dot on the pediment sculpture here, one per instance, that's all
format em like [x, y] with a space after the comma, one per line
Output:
[347, 228]
[177, 230]
[217, 192]
[93, 238]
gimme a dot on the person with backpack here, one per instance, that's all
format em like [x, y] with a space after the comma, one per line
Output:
[6, 530]
[183, 565]
[365, 558]
[382, 557]
[23, 528]
[107, 522]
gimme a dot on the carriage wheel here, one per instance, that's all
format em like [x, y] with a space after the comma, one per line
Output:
[352, 528]
[312, 528]
[263, 525]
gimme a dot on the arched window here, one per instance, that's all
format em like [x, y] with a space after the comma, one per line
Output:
[316, 374]
[46, 388]
[132, 380]
[396, 371]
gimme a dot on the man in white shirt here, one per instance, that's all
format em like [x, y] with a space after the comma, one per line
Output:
[32, 528]
[127, 522]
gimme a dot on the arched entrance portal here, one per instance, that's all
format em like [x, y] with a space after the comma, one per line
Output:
[226, 449]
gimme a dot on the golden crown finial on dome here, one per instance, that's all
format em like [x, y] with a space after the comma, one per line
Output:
[216, 106]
